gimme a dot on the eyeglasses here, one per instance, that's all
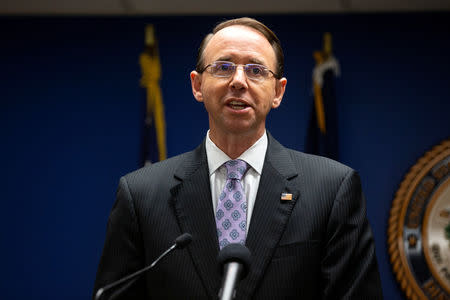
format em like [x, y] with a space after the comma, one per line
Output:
[226, 69]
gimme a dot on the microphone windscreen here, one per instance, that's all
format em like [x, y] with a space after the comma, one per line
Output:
[235, 253]
[183, 240]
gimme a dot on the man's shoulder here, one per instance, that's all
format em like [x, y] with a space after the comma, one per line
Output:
[317, 166]
[289, 162]
[161, 171]
[320, 173]
[277, 151]
[316, 160]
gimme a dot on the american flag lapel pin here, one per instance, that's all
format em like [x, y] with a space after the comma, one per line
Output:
[286, 196]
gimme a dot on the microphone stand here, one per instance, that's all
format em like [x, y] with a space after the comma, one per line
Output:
[180, 242]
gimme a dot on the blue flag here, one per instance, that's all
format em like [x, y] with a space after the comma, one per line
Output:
[322, 135]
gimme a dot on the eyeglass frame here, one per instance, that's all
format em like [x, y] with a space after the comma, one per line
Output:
[235, 66]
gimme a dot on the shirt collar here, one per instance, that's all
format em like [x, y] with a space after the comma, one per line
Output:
[254, 155]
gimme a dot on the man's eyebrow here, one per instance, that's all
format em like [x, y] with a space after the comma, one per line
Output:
[224, 58]
[251, 60]
[257, 61]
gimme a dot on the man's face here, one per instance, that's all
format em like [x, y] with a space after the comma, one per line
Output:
[238, 105]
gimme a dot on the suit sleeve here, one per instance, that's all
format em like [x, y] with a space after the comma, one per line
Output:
[123, 249]
[349, 265]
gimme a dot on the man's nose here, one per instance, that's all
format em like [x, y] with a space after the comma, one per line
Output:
[239, 79]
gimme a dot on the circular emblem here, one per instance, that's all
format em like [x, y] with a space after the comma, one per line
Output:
[419, 227]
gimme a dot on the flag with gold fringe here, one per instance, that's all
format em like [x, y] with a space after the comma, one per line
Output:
[322, 135]
[153, 140]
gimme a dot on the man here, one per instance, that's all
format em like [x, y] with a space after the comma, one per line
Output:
[303, 217]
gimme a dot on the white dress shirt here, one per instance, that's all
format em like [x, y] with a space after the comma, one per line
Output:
[253, 156]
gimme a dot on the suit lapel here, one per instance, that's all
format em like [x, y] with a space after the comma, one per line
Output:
[194, 211]
[270, 214]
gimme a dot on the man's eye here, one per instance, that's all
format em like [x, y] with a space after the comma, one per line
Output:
[256, 70]
[224, 67]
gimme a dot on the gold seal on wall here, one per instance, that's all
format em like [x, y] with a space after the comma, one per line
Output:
[419, 227]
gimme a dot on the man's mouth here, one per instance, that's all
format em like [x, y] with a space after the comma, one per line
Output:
[237, 105]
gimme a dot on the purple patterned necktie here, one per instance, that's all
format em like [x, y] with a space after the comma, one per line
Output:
[231, 214]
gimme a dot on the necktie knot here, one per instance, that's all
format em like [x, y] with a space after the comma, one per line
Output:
[236, 169]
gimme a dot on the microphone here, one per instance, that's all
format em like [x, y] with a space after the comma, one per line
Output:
[180, 242]
[234, 260]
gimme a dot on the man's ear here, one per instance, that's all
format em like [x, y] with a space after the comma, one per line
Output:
[280, 87]
[196, 83]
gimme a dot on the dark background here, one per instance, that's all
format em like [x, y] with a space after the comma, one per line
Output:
[70, 121]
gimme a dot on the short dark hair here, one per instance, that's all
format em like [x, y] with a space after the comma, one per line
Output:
[252, 23]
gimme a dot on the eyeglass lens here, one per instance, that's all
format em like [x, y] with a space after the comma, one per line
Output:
[227, 69]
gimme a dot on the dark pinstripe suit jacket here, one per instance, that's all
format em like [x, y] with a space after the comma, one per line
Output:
[319, 245]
